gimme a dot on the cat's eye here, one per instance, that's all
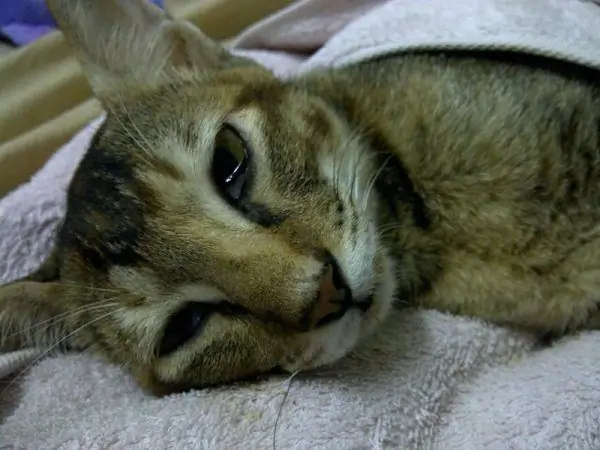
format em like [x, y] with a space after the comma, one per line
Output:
[183, 325]
[230, 163]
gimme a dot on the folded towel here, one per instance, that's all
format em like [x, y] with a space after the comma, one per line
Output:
[426, 380]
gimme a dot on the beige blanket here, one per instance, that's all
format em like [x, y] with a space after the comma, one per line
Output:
[427, 380]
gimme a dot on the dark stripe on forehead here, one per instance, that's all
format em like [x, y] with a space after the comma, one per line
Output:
[105, 206]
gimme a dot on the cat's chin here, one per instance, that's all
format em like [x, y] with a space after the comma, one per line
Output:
[331, 343]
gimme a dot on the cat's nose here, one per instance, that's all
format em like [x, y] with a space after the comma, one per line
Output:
[334, 296]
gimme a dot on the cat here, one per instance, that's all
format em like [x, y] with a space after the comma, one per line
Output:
[226, 223]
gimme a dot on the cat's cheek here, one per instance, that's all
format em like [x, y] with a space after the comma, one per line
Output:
[383, 298]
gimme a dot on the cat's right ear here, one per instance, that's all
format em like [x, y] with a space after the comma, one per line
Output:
[134, 42]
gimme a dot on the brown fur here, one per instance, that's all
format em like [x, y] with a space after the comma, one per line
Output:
[461, 182]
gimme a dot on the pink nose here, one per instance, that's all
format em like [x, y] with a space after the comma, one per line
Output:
[333, 299]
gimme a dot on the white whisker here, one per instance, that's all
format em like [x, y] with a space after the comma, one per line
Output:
[372, 182]
[285, 396]
[56, 344]
[55, 320]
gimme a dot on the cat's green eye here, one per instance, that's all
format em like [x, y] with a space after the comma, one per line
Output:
[230, 163]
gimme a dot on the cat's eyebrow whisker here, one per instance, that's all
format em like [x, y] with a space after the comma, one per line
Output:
[336, 169]
[342, 165]
[354, 173]
[343, 153]
[143, 142]
[361, 129]
[388, 227]
[56, 344]
[358, 169]
[373, 180]
[338, 158]
[140, 141]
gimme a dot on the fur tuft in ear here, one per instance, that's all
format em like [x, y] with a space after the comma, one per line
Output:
[133, 41]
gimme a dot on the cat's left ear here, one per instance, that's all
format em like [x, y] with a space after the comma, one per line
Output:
[133, 41]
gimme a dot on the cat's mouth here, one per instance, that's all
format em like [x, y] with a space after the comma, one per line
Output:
[347, 328]
[363, 284]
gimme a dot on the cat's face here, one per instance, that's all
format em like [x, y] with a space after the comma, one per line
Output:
[225, 217]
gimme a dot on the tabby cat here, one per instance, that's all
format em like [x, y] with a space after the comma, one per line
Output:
[226, 223]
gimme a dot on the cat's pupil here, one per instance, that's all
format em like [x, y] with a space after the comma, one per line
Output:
[229, 163]
[226, 165]
[182, 326]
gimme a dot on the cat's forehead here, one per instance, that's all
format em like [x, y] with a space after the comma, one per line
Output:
[284, 126]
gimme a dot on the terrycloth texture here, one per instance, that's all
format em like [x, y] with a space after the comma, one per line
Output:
[427, 380]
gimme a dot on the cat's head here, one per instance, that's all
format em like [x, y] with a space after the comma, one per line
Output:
[220, 225]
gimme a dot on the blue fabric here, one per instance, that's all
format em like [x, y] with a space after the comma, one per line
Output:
[24, 21]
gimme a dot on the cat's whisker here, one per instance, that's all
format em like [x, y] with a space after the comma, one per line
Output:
[56, 320]
[55, 345]
[285, 396]
[87, 288]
